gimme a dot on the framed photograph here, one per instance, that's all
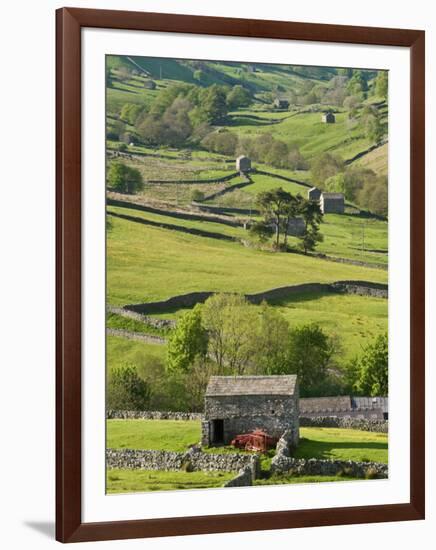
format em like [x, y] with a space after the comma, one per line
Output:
[240, 275]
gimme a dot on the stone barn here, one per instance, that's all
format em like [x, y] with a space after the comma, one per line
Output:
[243, 164]
[281, 103]
[236, 405]
[149, 84]
[332, 203]
[296, 227]
[314, 194]
[328, 118]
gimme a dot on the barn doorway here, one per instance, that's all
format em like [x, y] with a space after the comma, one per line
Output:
[218, 431]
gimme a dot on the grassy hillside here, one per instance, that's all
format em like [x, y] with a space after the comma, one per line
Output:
[164, 435]
[376, 160]
[312, 135]
[178, 435]
[131, 481]
[121, 351]
[139, 258]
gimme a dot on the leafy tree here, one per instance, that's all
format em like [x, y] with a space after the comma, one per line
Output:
[222, 142]
[374, 128]
[124, 73]
[277, 154]
[214, 104]
[123, 178]
[172, 128]
[196, 381]
[271, 354]
[381, 84]
[325, 166]
[295, 160]
[238, 97]
[199, 75]
[290, 211]
[188, 341]
[374, 195]
[130, 112]
[231, 323]
[197, 195]
[126, 390]
[352, 103]
[261, 231]
[272, 204]
[310, 355]
[108, 77]
[336, 184]
[373, 368]
[355, 179]
[311, 213]
[357, 83]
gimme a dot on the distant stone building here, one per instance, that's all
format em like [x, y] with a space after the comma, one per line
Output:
[236, 405]
[344, 406]
[243, 164]
[332, 203]
[281, 103]
[296, 227]
[150, 84]
[314, 194]
[328, 118]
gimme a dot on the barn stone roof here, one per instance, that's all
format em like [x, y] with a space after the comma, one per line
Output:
[333, 195]
[325, 404]
[251, 385]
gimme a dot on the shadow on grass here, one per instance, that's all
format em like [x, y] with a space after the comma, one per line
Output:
[323, 449]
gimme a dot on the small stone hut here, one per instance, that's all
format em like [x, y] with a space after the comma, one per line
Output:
[332, 203]
[149, 84]
[236, 405]
[296, 227]
[243, 164]
[281, 103]
[328, 118]
[314, 194]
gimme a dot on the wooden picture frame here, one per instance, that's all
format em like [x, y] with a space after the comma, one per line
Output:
[69, 526]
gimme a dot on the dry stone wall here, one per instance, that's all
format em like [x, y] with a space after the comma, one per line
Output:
[281, 464]
[153, 415]
[192, 460]
[364, 424]
[243, 479]
[361, 288]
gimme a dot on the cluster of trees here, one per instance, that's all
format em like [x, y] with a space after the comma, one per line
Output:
[181, 112]
[124, 178]
[229, 336]
[279, 208]
[358, 184]
[262, 148]
[340, 85]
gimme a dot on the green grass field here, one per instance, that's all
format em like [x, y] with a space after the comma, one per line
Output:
[132, 481]
[147, 263]
[356, 319]
[313, 136]
[122, 351]
[212, 227]
[342, 444]
[178, 435]
[164, 435]
[116, 321]
[265, 183]
[291, 479]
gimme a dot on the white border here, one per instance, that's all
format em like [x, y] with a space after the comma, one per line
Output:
[96, 505]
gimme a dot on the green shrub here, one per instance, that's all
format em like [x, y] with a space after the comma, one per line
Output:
[197, 195]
